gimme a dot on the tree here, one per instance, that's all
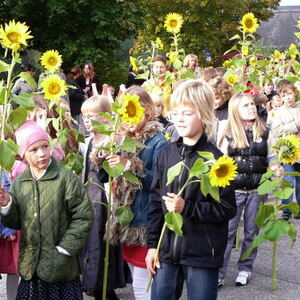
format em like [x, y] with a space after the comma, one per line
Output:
[208, 24]
[81, 30]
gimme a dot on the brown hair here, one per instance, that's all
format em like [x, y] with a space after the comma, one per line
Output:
[220, 71]
[208, 73]
[284, 85]
[160, 58]
[223, 89]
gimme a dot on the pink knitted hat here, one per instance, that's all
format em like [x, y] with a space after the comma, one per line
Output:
[28, 134]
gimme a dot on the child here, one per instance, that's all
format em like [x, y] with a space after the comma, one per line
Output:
[199, 252]
[287, 121]
[159, 107]
[223, 92]
[136, 196]
[93, 252]
[50, 207]
[247, 140]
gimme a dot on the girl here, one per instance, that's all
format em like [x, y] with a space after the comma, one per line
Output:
[199, 252]
[136, 196]
[191, 63]
[88, 81]
[247, 140]
[287, 121]
[50, 207]
[93, 252]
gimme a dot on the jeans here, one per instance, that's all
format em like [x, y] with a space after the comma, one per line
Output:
[201, 283]
[249, 203]
[292, 179]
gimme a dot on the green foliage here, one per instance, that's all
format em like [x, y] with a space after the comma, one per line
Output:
[8, 152]
[174, 172]
[116, 171]
[124, 215]
[174, 222]
[18, 116]
[131, 145]
[24, 100]
[73, 161]
[131, 178]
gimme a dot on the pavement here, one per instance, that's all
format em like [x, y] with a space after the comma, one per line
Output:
[260, 285]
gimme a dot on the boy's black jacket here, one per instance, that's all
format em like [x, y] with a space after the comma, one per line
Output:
[205, 221]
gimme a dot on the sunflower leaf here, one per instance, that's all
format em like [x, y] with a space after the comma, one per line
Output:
[174, 172]
[101, 127]
[116, 171]
[198, 168]
[292, 206]
[264, 212]
[292, 174]
[284, 193]
[292, 234]
[174, 222]
[124, 215]
[18, 116]
[206, 155]
[267, 187]
[2, 92]
[266, 175]
[131, 178]
[8, 152]
[131, 145]
[3, 66]
[28, 78]
[214, 192]
[24, 100]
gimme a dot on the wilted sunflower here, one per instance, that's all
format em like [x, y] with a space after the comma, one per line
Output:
[288, 149]
[51, 60]
[14, 35]
[132, 111]
[222, 171]
[53, 87]
[231, 79]
[173, 22]
[249, 23]
[133, 63]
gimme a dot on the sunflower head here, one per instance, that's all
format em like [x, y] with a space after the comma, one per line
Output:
[288, 149]
[173, 22]
[132, 111]
[249, 23]
[159, 43]
[231, 79]
[14, 35]
[133, 63]
[53, 87]
[51, 60]
[278, 55]
[222, 171]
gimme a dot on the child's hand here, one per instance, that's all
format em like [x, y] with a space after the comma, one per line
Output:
[4, 197]
[150, 261]
[174, 202]
[277, 169]
[113, 160]
[11, 237]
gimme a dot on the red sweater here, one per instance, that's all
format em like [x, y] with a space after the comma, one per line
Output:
[135, 255]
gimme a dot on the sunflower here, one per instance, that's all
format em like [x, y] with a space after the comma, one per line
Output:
[278, 55]
[293, 51]
[227, 63]
[249, 23]
[14, 35]
[51, 60]
[132, 111]
[159, 43]
[231, 79]
[173, 56]
[173, 22]
[53, 87]
[252, 61]
[288, 149]
[133, 63]
[222, 171]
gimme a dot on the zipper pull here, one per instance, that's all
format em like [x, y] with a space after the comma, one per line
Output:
[182, 152]
[213, 253]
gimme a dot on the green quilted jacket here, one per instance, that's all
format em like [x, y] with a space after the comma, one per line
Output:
[52, 211]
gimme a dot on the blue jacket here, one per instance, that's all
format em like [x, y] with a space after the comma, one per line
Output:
[5, 231]
[148, 155]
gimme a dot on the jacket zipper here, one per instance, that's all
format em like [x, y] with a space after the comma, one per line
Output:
[210, 244]
[180, 177]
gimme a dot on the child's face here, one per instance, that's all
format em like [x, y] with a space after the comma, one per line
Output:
[187, 122]
[268, 87]
[219, 100]
[158, 109]
[38, 155]
[276, 101]
[247, 109]
[288, 97]
[67, 111]
[87, 120]
[159, 68]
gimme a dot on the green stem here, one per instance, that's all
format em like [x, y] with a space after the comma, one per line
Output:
[176, 43]
[107, 240]
[156, 254]
[5, 105]
[237, 238]
[274, 266]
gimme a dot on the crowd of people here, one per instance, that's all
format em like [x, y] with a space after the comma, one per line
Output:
[52, 230]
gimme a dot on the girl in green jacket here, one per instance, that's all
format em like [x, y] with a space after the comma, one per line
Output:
[51, 208]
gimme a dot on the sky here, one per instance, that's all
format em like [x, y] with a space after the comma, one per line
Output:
[289, 2]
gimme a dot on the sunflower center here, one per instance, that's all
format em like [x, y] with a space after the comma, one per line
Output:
[249, 23]
[52, 61]
[54, 88]
[14, 37]
[173, 23]
[131, 109]
[222, 171]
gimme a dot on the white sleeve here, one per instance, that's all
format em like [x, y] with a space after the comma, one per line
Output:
[4, 209]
